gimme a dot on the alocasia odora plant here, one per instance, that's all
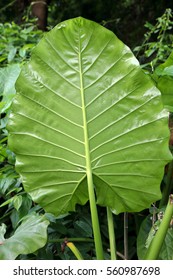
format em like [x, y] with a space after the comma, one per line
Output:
[88, 124]
[164, 81]
[30, 236]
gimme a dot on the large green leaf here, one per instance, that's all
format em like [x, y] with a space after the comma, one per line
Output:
[165, 82]
[85, 108]
[28, 237]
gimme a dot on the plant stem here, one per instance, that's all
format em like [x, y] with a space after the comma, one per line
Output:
[7, 6]
[111, 234]
[168, 187]
[91, 190]
[94, 218]
[156, 244]
[126, 235]
[73, 239]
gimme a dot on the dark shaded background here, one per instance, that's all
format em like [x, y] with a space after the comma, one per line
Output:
[126, 18]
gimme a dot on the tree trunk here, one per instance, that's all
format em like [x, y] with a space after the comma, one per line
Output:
[40, 11]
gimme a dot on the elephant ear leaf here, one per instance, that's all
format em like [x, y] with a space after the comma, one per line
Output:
[85, 108]
[30, 236]
[165, 82]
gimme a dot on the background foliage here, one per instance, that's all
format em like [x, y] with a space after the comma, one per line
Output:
[120, 16]
[18, 36]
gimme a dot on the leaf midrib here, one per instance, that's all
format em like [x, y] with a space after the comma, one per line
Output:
[85, 127]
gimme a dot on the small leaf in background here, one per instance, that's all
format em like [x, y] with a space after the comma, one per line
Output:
[28, 30]
[83, 228]
[165, 68]
[167, 248]
[7, 201]
[12, 53]
[8, 77]
[17, 201]
[24, 209]
[167, 71]
[2, 233]
[28, 237]
[6, 182]
[2, 58]
[22, 52]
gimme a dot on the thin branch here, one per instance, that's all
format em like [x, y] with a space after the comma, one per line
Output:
[126, 235]
[8, 5]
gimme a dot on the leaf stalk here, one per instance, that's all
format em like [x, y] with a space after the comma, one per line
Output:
[111, 234]
[168, 187]
[126, 235]
[91, 191]
[75, 250]
[156, 244]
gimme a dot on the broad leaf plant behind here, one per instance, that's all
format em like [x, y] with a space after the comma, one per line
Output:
[88, 124]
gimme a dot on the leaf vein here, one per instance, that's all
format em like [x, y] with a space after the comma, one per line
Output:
[57, 72]
[52, 157]
[102, 50]
[107, 70]
[52, 128]
[50, 110]
[125, 162]
[49, 142]
[127, 147]
[118, 120]
[56, 51]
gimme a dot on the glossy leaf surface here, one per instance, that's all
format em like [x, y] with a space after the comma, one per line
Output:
[28, 237]
[165, 82]
[84, 106]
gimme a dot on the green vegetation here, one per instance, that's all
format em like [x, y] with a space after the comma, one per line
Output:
[157, 44]
[70, 200]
